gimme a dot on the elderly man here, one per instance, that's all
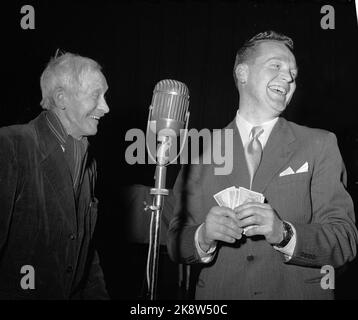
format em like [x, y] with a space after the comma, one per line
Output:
[271, 249]
[48, 209]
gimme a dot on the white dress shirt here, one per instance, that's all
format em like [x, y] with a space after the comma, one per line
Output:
[244, 128]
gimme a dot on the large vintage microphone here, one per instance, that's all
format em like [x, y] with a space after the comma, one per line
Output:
[168, 115]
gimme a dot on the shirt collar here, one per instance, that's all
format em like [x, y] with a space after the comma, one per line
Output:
[59, 131]
[245, 127]
[56, 127]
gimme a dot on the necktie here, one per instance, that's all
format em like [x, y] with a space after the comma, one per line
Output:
[254, 152]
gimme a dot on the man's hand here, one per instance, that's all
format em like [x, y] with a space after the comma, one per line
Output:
[220, 224]
[263, 219]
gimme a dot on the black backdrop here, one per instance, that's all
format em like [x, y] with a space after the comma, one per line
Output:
[139, 43]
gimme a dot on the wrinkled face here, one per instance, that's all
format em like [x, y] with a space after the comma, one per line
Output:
[271, 78]
[86, 106]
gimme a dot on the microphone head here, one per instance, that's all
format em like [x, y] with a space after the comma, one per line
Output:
[169, 107]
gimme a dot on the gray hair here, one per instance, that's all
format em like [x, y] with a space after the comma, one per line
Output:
[66, 70]
[245, 52]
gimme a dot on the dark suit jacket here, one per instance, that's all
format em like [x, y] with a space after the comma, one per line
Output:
[315, 202]
[40, 225]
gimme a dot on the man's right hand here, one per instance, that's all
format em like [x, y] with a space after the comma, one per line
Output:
[220, 224]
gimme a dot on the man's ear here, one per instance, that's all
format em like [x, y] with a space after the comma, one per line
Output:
[242, 72]
[59, 96]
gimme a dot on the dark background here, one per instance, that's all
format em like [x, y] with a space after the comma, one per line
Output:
[139, 43]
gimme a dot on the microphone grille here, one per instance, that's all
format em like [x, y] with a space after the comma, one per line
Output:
[172, 86]
[171, 100]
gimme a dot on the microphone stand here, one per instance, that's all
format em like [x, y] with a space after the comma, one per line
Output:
[158, 193]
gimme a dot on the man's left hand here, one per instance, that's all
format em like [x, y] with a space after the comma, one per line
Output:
[262, 219]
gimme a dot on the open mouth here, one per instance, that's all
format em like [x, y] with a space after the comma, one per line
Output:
[94, 117]
[278, 90]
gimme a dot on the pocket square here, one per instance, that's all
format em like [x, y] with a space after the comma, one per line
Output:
[304, 168]
[287, 172]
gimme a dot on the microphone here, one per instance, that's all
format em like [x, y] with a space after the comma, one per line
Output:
[168, 114]
[169, 108]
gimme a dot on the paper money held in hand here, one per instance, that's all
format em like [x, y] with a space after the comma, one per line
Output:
[233, 197]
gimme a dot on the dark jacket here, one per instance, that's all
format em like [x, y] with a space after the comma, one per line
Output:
[41, 223]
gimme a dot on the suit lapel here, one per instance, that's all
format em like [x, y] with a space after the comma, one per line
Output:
[276, 154]
[55, 168]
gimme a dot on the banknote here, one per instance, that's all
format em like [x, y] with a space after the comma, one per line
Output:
[246, 195]
[233, 197]
[224, 198]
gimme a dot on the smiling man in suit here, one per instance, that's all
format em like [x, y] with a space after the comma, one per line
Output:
[275, 249]
[48, 209]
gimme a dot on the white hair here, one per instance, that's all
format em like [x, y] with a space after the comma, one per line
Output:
[66, 71]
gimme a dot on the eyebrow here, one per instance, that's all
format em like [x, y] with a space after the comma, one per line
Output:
[281, 59]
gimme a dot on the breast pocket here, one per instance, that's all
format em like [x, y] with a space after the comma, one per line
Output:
[290, 197]
[294, 178]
